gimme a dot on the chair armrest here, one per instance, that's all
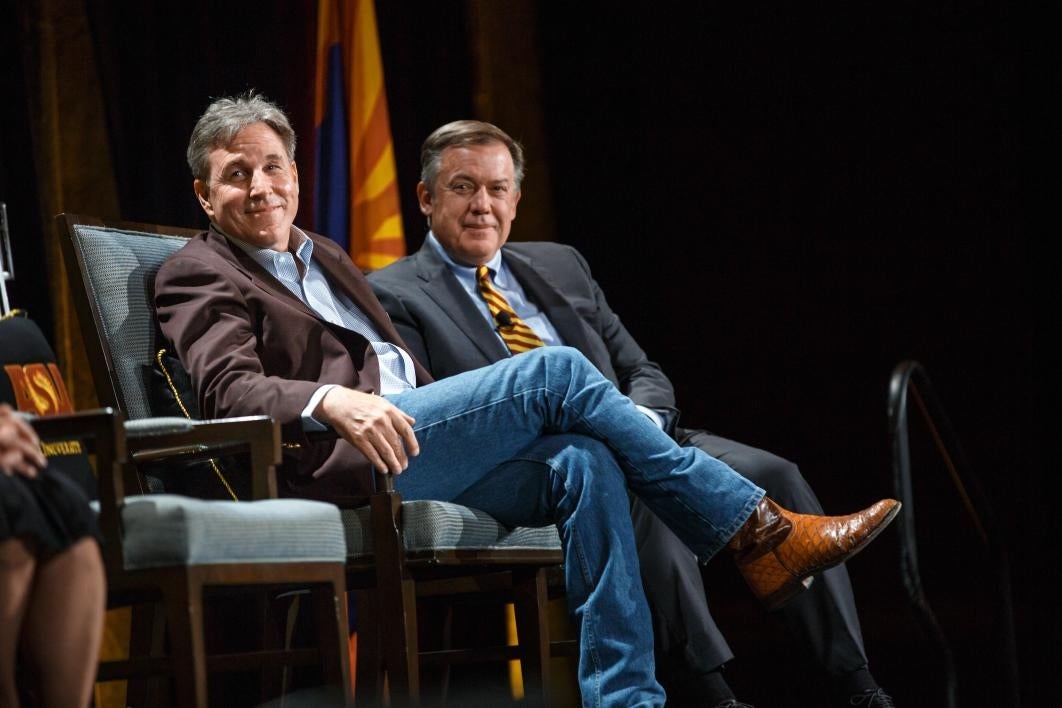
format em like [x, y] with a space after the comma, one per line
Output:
[146, 427]
[92, 424]
[102, 433]
[116, 442]
[158, 439]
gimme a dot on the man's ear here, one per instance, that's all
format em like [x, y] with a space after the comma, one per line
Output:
[516, 201]
[202, 193]
[424, 199]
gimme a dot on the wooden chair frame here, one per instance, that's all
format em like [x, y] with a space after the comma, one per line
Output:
[389, 581]
[180, 588]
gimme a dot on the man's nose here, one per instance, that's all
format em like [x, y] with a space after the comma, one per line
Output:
[481, 201]
[259, 183]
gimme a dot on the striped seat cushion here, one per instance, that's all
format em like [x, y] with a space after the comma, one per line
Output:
[167, 529]
[437, 525]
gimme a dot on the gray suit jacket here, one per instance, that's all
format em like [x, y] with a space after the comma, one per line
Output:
[443, 329]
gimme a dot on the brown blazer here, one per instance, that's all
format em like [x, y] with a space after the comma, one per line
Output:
[253, 348]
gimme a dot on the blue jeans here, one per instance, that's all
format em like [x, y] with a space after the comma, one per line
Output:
[544, 438]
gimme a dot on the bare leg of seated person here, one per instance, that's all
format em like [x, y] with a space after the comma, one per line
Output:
[56, 608]
[17, 565]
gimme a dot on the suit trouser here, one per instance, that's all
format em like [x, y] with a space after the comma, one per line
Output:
[823, 619]
[544, 438]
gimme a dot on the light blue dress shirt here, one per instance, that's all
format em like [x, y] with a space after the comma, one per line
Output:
[508, 286]
[511, 289]
[310, 285]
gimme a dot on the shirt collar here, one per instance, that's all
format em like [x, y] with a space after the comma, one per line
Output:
[271, 260]
[495, 263]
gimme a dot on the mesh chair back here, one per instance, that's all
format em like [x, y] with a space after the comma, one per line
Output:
[118, 267]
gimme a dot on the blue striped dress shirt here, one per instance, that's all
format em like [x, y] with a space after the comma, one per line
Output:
[310, 285]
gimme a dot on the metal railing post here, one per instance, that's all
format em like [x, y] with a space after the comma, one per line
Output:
[910, 382]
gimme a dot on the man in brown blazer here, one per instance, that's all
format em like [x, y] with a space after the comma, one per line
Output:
[233, 357]
[270, 319]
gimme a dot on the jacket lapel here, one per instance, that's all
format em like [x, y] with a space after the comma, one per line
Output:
[439, 284]
[343, 274]
[259, 276]
[558, 310]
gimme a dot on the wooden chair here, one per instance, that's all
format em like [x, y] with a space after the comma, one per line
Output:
[397, 551]
[159, 546]
[171, 549]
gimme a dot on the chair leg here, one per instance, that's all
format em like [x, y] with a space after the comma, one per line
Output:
[399, 644]
[369, 683]
[436, 634]
[397, 602]
[448, 642]
[184, 612]
[330, 613]
[532, 626]
[269, 612]
[147, 635]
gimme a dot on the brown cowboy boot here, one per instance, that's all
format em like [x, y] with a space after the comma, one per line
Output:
[777, 551]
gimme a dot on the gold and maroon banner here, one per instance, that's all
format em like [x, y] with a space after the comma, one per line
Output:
[355, 183]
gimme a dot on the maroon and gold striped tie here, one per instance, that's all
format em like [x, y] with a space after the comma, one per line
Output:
[516, 335]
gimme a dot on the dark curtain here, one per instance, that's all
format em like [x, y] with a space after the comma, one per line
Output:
[161, 64]
[785, 202]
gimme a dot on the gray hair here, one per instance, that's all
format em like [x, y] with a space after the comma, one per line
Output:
[227, 116]
[461, 133]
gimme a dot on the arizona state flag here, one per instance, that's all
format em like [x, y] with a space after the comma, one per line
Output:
[355, 186]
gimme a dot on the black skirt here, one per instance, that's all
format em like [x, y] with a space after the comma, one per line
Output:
[51, 512]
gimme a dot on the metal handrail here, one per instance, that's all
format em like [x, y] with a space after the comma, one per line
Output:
[909, 377]
[7, 266]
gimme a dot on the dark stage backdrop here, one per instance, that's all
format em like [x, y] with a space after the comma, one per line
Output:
[782, 204]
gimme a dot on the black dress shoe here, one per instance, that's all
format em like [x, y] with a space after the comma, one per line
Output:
[872, 698]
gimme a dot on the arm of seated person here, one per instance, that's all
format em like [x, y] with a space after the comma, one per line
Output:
[372, 424]
[208, 322]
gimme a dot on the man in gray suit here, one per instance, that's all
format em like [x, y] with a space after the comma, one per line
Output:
[467, 300]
